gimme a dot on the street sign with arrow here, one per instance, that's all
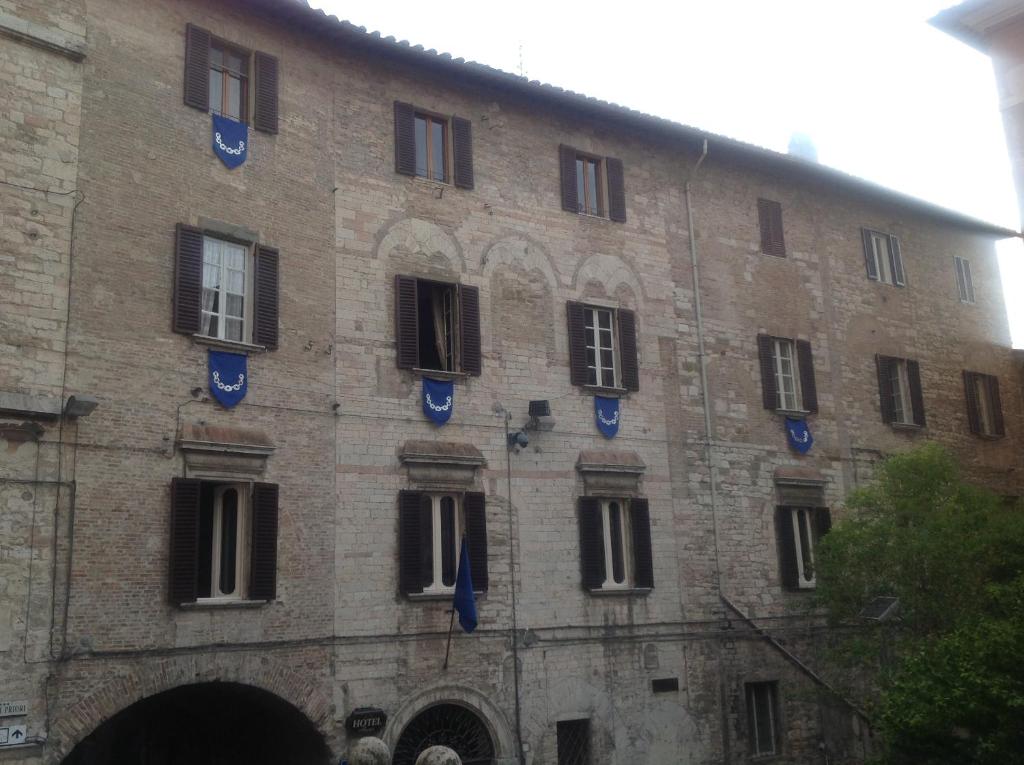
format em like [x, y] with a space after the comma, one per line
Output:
[12, 735]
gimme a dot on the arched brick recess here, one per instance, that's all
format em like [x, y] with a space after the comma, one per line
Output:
[79, 719]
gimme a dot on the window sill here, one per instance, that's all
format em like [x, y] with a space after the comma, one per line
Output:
[989, 437]
[613, 591]
[433, 597]
[229, 345]
[438, 374]
[909, 427]
[593, 216]
[796, 414]
[602, 390]
[214, 603]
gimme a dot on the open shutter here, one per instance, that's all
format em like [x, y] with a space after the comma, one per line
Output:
[567, 163]
[998, 426]
[787, 548]
[410, 545]
[406, 322]
[616, 190]
[808, 388]
[577, 344]
[643, 560]
[462, 148]
[973, 417]
[884, 366]
[628, 350]
[822, 521]
[769, 385]
[475, 510]
[916, 394]
[183, 561]
[896, 262]
[769, 216]
[266, 283]
[264, 113]
[869, 254]
[197, 68]
[188, 279]
[469, 326]
[405, 139]
[591, 543]
[263, 563]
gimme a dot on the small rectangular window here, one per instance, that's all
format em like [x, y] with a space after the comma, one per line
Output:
[226, 279]
[883, 258]
[431, 147]
[438, 308]
[762, 719]
[787, 380]
[964, 281]
[769, 216]
[984, 406]
[573, 742]
[599, 328]
[588, 185]
[229, 81]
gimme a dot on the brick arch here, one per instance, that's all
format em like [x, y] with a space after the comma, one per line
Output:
[612, 271]
[75, 722]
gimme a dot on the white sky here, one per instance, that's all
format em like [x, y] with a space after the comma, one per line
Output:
[883, 94]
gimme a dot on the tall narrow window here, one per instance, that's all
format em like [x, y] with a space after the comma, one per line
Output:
[221, 540]
[803, 539]
[431, 148]
[588, 185]
[616, 543]
[225, 282]
[762, 719]
[441, 528]
[882, 257]
[785, 374]
[898, 381]
[769, 218]
[964, 281]
[599, 326]
[438, 323]
[798, 529]
[984, 406]
[229, 81]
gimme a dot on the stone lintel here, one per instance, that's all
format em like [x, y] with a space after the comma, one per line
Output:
[441, 464]
[610, 473]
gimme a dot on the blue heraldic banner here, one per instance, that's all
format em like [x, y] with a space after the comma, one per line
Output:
[229, 377]
[465, 600]
[230, 140]
[438, 398]
[799, 435]
[608, 414]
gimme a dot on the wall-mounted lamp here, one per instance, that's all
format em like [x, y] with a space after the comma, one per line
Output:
[540, 416]
[518, 440]
[80, 405]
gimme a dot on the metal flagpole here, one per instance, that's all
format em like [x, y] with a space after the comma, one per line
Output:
[447, 650]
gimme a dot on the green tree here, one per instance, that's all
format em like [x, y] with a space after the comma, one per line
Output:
[952, 688]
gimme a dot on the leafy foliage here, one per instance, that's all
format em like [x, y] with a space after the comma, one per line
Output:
[954, 556]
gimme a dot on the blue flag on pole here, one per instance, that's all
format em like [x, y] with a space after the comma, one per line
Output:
[799, 435]
[230, 140]
[465, 601]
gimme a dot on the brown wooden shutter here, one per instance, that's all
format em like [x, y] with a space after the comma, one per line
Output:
[567, 164]
[197, 68]
[643, 559]
[973, 415]
[916, 394]
[475, 510]
[406, 323]
[405, 139]
[628, 350]
[896, 262]
[188, 279]
[410, 574]
[869, 254]
[822, 521]
[266, 286]
[183, 560]
[263, 563]
[808, 388]
[769, 385]
[577, 344]
[462, 149]
[787, 548]
[264, 113]
[469, 326]
[998, 426]
[616, 190]
[884, 366]
[769, 215]
[591, 543]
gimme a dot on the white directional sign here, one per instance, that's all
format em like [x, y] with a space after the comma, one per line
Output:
[12, 735]
[13, 708]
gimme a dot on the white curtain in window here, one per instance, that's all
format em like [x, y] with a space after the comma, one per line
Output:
[437, 299]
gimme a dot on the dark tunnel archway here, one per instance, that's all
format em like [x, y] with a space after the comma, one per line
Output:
[205, 724]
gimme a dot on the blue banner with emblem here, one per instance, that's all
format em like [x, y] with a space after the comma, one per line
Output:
[230, 140]
[438, 399]
[608, 412]
[229, 377]
[799, 435]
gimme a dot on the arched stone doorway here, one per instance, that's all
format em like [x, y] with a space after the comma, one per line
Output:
[451, 725]
[205, 724]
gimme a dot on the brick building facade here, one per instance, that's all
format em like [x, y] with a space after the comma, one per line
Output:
[669, 631]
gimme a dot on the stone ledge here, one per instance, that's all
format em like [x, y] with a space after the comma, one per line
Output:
[441, 463]
[71, 46]
[610, 473]
[22, 404]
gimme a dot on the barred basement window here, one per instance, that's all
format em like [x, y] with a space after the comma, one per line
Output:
[762, 719]
[573, 742]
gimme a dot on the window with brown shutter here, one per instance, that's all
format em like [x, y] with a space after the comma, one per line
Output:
[787, 374]
[615, 544]
[223, 541]
[437, 326]
[592, 185]
[433, 146]
[797, 531]
[603, 346]
[431, 528]
[225, 289]
[769, 216]
[899, 391]
[883, 257]
[984, 405]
